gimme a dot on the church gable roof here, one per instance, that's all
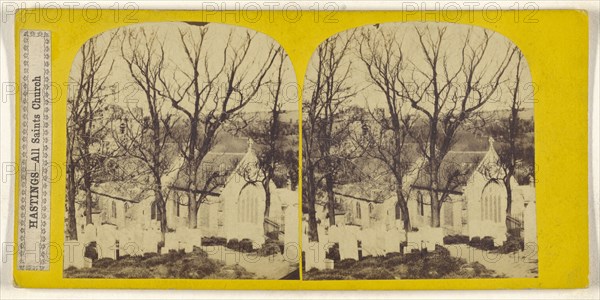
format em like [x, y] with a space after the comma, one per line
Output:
[221, 166]
[458, 167]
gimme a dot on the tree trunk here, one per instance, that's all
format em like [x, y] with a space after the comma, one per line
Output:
[192, 211]
[71, 195]
[434, 168]
[513, 132]
[404, 209]
[267, 189]
[435, 197]
[508, 187]
[330, 199]
[435, 206]
[87, 182]
[161, 207]
[313, 232]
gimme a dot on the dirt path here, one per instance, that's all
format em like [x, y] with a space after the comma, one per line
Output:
[521, 264]
[269, 267]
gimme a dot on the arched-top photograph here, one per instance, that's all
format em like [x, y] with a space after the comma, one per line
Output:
[182, 146]
[429, 125]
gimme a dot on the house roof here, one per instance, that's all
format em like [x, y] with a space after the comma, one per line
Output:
[126, 191]
[220, 164]
[455, 170]
[364, 191]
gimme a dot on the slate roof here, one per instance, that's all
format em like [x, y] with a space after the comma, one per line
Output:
[223, 163]
[456, 169]
[223, 159]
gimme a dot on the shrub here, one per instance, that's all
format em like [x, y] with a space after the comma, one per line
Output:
[155, 260]
[193, 268]
[315, 274]
[333, 253]
[233, 244]
[434, 265]
[198, 251]
[345, 263]
[512, 244]
[472, 270]
[220, 241]
[90, 251]
[271, 247]
[232, 272]
[487, 243]
[246, 245]
[440, 250]
[373, 273]
[392, 261]
[456, 239]
[150, 254]
[368, 261]
[103, 262]
[475, 242]
[273, 235]
[133, 272]
[213, 241]
[174, 264]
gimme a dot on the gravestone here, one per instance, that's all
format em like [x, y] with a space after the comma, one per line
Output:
[393, 238]
[348, 244]
[73, 256]
[432, 236]
[529, 224]
[171, 242]
[89, 234]
[150, 240]
[106, 241]
[291, 238]
[314, 256]
[413, 242]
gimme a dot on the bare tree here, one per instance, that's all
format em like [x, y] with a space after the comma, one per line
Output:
[327, 89]
[269, 132]
[448, 94]
[87, 124]
[144, 132]
[211, 88]
[389, 139]
[515, 151]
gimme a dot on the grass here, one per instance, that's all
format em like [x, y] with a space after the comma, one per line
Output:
[436, 264]
[175, 264]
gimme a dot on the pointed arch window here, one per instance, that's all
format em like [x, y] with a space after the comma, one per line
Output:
[491, 202]
[398, 211]
[420, 204]
[155, 213]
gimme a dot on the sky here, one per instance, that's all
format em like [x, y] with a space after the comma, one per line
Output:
[176, 63]
[405, 35]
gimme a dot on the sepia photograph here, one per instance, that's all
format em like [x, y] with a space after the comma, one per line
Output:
[418, 155]
[182, 155]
